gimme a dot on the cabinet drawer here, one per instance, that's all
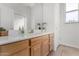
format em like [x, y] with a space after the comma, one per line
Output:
[13, 47]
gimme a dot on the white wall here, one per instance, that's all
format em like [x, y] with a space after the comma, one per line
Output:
[6, 17]
[56, 25]
[52, 17]
[48, 16]
[36, 16]
[69, 32]
[43, 13]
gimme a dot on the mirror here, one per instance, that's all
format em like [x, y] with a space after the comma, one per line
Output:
[19, 25]
[18, 17]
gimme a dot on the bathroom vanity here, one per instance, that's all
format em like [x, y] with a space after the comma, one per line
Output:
[38, 45]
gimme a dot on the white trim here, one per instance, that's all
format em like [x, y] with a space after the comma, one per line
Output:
[69, 45]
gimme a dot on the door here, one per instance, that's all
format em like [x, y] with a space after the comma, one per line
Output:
[45, 48]
[45, 45]
[36, 50]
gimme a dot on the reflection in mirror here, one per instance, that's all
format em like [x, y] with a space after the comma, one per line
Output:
[19, 23]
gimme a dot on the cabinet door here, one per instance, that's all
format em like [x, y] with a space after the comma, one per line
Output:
[45, 45]
[13, 48]
[24, 52]
[45, 48]
[36, 50]
[36, 17]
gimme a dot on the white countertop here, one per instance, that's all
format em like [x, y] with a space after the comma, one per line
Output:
[11, 39]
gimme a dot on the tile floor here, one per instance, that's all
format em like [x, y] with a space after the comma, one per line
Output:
[65, 51]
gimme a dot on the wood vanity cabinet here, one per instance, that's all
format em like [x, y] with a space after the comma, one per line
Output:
[36, 46]
[17, 48]
[45, 45]
[40, 46]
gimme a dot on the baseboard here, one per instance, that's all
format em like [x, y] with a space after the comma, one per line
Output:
[73, 46]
